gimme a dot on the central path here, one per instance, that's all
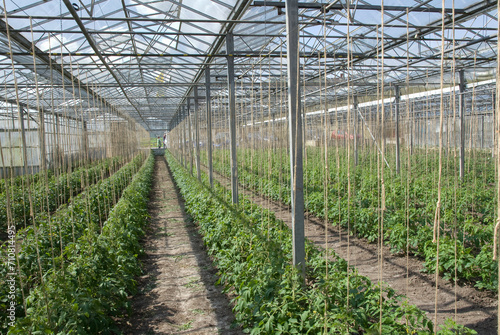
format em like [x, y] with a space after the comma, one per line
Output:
[177, 294]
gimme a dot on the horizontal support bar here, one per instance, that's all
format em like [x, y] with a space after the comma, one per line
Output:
[251, 55]
[302, 23]
[310, 5]
[167, 33]
[223, 84]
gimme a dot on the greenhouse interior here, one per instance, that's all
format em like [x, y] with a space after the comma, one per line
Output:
[249, 167]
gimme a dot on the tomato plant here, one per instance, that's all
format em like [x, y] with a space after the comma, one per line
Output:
[467, 211]
[48, 248]
[252, 251]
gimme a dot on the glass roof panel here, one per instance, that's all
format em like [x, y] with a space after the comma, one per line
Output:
[143, 55]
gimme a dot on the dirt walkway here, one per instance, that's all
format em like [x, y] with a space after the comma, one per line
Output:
[475, 309]
[177, 294]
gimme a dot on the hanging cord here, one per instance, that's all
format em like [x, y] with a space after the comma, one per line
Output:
[261, 155]
[41, 129]
[66, 166]
[346, 138]
[473, 120]
[102, 170]
[497, 132]
[437, 216]
[496, 150]
[382, 180]
[11, 224]
[11, 152]
[379, 127]
[326, 172]
[339, 190]
[270, 137]
[379, 175]
[55, 120]
[87, 201]
[455, 174]
[325, 186]
[25, 160]
[408, 151]
[347, 141]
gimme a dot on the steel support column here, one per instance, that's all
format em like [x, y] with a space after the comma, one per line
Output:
[493, 129]
[397, 100]
[184, 152]
[232, 116]
[411, 125]
[209, 126]
[295, 133]
[355, 130]
[190, 133]
[85, 142]
[20, 114]
[57, 157]
[197, 132]
[41, 139]
[482, 131]
[462, 123]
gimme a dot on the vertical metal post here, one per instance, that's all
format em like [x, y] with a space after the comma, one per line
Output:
[462, 123]
[418, 128]
[397, 101]
[178, 131]
[209, 126]
[482, 131]
[85, 141]
[232, 116]
[41, 140]
[493, 122]
[176, 127]
[184, 139]
[295, 134]
[412, 127]
[58, 156]
[190, 150]
[197, 132]
[355, 128]
[363, 125]
[21, 112]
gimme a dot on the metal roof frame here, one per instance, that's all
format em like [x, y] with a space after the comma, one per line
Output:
[142, 58]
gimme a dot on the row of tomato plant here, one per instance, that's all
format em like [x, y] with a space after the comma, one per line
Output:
[92, 289]
[48, 196]
[467, 207]
[252, 251]
[21, 180]
[42, 248]
[39, 177]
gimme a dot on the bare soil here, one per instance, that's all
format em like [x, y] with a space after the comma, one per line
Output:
[462, 303]
[177, 293]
